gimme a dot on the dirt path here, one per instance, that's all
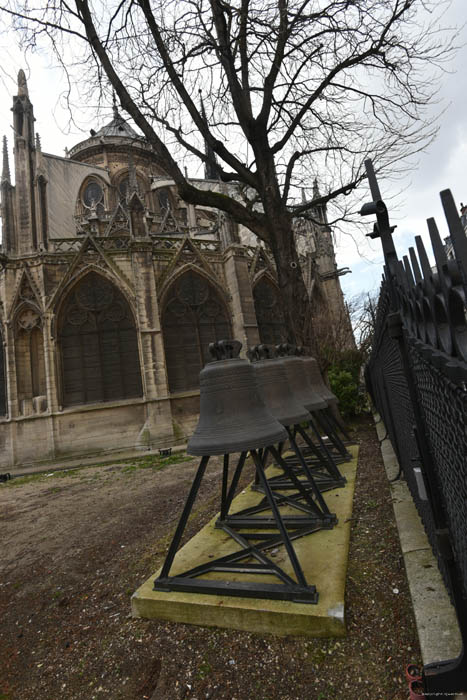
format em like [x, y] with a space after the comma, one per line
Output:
[75, 545]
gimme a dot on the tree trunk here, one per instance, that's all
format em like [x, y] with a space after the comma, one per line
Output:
[293, 293]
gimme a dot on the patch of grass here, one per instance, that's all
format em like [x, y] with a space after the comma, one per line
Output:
[67, 472]
[156, 463]
[147, 462]
[204, 670]
[20, 481]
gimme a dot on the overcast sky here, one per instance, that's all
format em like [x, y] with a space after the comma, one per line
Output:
[441, 167]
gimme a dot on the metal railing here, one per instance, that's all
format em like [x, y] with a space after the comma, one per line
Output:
[417, 378]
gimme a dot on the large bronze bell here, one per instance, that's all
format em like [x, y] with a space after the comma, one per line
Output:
[316, 380]
[298, 379]
[314, 375]
[274, 386]
[233, 416]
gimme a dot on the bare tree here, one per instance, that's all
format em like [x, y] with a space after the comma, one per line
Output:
[268, 93]
[364, 322]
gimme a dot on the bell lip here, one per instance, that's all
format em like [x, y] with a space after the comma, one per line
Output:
[316, 405]
[287, 422]
[234, 447]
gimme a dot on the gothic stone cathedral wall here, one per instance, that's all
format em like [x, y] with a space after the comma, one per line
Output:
[111, 290]
[36, 292]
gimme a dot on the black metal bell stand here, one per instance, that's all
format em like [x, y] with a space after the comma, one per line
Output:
[300, 494]
[321, 460]
[315, 402]
[234, 419]
[288, 486]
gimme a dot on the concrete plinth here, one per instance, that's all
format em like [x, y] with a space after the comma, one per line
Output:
[323, 556]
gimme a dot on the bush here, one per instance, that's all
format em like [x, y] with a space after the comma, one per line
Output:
[346, 389]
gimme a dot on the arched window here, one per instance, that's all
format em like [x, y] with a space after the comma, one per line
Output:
[126, 187]
[29, 351]
[92, 197]
[99, 347]
[269, 315]
[3, 402]
[194, 316]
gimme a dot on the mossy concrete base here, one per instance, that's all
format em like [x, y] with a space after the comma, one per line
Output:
[323, 556]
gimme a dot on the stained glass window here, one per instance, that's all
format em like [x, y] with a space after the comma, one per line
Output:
[269, 315]
[194, 316]
[99, 346]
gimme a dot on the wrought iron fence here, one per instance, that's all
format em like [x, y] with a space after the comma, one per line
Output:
[417, 378]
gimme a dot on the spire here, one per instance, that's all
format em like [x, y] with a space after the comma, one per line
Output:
[211, 171]
[6, 164]
[22, 84]
[114, 105]
[303, 196]
[316, 192]
[39, 160]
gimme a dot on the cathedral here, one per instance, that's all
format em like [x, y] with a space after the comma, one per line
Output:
[111, 289]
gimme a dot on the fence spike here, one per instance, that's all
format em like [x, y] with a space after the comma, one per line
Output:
[459, 239]
[436, 243]
[425, 263]
[400, 274]
[440, 253]
[408, 272]
[415, 265]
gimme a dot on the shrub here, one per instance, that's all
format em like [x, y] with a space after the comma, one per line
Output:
[345, 388]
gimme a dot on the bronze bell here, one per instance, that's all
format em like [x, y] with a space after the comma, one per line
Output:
[316, 380]
[274, 386]
[233, 416]
[298, 379]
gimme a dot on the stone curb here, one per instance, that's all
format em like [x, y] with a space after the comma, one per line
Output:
[436, 621]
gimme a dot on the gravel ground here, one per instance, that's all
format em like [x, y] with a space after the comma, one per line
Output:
[75, 545]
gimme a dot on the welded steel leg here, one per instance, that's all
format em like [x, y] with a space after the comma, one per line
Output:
[327, 459]
[301, 487]
[307, 472]
[184, 518]
[233, 485]
[338, 424]
[332, 434]
[225, 481]
[290, 481]
[280, 525]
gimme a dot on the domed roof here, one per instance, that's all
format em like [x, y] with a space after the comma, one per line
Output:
[117, 127]
[117, 131]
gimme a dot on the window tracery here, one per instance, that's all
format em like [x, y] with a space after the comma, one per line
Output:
[269, 314]
[98, 342]
[194, 316]
[29, 351]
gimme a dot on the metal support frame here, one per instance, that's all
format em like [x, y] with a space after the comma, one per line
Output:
[338, 426]
[251, 558]
[316, 473]
[306, 497]
[327, 426]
